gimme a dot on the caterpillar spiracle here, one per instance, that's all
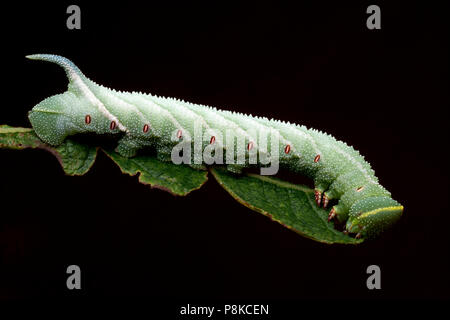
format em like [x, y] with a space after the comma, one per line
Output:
[141, 120]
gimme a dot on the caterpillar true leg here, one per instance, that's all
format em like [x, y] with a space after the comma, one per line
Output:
[332, 214]
[325, 200]
[318, 196]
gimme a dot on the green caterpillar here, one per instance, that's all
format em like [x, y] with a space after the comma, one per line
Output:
[169, 126]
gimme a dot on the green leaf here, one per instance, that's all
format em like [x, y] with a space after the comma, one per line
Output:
[75, 158]
[177, 179]
[291, 205]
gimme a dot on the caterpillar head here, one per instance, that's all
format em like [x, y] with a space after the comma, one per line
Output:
[371, 216]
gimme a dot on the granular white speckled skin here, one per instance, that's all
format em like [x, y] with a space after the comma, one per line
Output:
[143, 120]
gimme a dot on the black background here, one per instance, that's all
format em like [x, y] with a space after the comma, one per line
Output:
[385, 92]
